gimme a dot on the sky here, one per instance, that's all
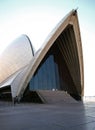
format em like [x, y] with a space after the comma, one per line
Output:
[37, 18]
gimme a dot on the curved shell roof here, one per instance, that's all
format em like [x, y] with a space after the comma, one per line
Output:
[20, 64]
[72, 53]
[17, 55]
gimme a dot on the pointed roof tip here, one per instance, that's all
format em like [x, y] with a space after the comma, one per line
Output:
[75, 11]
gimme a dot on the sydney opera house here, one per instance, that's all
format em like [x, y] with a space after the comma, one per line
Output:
[57, 67]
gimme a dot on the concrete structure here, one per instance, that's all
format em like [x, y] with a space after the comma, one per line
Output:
[57, 65]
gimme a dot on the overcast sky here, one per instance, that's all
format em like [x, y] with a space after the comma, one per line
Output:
[37, 18]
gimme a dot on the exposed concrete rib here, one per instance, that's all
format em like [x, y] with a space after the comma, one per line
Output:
[76, 64]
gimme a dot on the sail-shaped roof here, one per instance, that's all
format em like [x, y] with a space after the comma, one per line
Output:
[66, 35]
[16, 55]
[66, 31]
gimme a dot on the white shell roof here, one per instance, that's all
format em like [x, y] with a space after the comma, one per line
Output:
[70, 19]
[19, 64]
[17, 55]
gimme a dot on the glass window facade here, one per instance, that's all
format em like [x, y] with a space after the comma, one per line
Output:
[52, 73]
[45, 77]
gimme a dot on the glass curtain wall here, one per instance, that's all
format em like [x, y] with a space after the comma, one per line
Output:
[52, 73]
[45, 77]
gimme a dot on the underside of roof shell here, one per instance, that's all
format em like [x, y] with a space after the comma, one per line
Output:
[67, 35]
